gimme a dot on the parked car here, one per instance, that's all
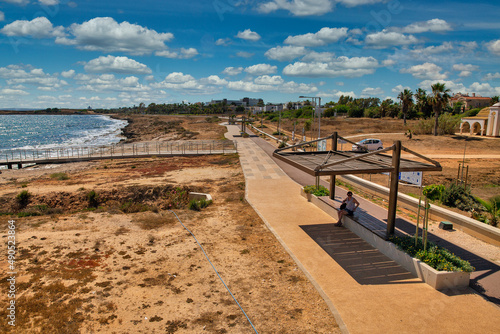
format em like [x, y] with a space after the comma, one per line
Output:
[369, 144]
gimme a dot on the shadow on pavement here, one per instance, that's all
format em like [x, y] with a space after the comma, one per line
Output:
[363, 262]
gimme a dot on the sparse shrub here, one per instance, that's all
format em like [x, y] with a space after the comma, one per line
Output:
[194, 205]
[433, 191]
[23, 198]
[60, 176]
[133, 207]
[204, 203]
[448, 125]
[92, 199]
[457, 197]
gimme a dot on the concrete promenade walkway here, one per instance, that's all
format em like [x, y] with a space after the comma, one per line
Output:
[366, 291]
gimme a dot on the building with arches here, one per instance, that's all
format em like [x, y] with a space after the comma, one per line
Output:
[485, 123]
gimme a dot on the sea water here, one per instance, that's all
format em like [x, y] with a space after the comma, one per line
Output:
[38, 132]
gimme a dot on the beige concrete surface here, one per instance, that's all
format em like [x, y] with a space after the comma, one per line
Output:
[366, 291]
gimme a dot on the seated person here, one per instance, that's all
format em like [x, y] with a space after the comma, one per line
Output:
[351, 205]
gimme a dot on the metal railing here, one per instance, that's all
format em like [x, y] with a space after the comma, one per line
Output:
[118, 150]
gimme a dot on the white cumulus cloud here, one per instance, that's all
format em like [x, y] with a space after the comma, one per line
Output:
[385, 39]
[285, 53]
[434, 25]
[178, 77]
[465, 69]
[269, 80]
[248, 35]
[298, 7]
[116, 65]
[491, 76]
[232, 70]
[261, 69]
[370, 92]
[248, 86]
[339, 67]
[39, 27]
[28, 75]
[314, 56]
[427, 71]
[322, 37]
[107, 35]
[434, 49]
[68, 74]
[182, 53]
[9, 91]
[49, 2]
[214, 80]
[494, 47]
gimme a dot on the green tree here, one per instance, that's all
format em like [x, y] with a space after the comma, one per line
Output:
[422, 102]
[385, 106]
[406, 98]
[438, 100]
[495, 99]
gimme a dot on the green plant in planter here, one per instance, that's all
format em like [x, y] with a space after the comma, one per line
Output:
[437, 257]
[320, 191]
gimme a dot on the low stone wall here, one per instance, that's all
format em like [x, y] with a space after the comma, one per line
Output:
[468, 225]
[439, 280]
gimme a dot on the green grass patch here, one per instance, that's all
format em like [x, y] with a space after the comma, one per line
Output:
[60, 176]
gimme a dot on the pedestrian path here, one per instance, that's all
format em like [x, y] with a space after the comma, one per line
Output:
[366, 291]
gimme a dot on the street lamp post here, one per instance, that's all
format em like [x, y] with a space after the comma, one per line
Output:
[315, 110]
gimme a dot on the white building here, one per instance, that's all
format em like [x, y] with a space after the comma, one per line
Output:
[485, 123]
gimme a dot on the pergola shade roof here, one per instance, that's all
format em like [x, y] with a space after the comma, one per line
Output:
[324, 163]
[357, 163]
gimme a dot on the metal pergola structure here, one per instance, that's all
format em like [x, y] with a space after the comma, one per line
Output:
[333, 162]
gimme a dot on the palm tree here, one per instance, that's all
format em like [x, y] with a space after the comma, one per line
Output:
[421, 99]
[439, 100]
[493, 208]
[406, 98]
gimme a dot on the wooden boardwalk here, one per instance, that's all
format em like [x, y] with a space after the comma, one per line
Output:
[120, 151]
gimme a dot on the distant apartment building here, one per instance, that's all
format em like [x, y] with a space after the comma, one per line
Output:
[470, 102]
[245, 102]
[268, 108]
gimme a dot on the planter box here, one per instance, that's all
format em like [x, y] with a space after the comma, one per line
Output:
[439, 280]
[306, 195]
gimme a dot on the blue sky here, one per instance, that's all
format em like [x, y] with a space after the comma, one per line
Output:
[60, 53]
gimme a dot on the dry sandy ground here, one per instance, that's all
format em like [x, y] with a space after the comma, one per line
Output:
[129, 266]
